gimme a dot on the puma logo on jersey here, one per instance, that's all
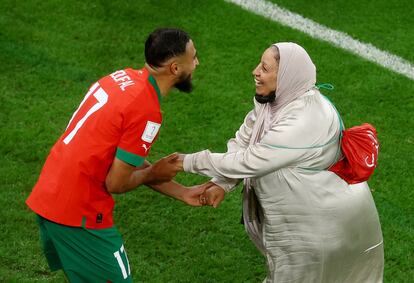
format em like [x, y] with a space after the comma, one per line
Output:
[145, 147]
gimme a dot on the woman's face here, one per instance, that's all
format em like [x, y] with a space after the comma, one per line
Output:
[265, 74]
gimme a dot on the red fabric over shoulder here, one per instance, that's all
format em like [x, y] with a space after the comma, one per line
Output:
[360, 148]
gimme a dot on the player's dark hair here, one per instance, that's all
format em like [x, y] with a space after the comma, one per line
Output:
[163, 44]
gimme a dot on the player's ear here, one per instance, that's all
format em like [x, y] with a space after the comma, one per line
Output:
[174, 68]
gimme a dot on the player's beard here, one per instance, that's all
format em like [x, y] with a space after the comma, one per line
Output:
[184, 83]
[262, 99]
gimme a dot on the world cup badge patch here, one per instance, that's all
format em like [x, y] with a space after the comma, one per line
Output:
[150, 132]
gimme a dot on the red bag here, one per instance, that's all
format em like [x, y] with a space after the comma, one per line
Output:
[360, 149]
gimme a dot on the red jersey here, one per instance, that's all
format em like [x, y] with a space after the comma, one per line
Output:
[119, 116]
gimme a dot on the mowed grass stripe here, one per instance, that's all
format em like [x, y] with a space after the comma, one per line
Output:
[386, 24]
[337, 38]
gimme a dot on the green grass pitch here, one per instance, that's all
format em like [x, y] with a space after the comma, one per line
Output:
[52, 51]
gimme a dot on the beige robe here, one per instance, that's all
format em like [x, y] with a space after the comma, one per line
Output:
[314, 227]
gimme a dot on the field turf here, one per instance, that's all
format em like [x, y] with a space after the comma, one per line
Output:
[52, 51]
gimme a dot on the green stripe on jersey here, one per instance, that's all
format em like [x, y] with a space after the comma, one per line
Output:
[129, 158]
[155, 85]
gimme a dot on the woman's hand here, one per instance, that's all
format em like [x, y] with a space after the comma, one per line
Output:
[193, 195]
[213, 195]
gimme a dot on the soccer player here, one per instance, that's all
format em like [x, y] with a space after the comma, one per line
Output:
[103, 151]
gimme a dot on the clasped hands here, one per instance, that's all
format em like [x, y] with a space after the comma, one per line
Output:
[165, 169]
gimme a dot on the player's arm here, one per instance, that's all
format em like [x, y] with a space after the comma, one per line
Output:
[190, 196]
[123, 177]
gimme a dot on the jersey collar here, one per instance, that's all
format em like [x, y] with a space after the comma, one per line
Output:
[157, 89]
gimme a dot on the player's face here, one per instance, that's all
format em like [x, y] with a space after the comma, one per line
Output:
[187, 63]
[265, 74]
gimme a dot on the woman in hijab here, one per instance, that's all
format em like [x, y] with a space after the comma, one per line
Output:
[309, 223]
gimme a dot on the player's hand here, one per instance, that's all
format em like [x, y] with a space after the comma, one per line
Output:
[179, 161]
[192, 195]
[164, 169]
[213, 196]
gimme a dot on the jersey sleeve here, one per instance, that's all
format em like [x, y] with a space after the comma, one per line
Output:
[139, 133]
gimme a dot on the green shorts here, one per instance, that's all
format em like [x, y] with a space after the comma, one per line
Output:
[85, 255]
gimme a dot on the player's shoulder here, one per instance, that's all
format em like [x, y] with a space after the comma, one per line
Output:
[144, 83]
[131, 92]
[127, 80]
[128, 85]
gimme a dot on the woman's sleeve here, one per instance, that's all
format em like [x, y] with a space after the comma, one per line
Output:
[282, 146]
[239, 142]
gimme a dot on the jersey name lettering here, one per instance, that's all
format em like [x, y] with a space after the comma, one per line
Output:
[122, 79]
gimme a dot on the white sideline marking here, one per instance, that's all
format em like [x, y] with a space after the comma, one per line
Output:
[337, 38]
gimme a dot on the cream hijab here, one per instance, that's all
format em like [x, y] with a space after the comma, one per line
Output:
[296, 76]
